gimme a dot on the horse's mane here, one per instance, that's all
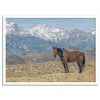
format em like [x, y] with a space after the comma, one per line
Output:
[60, 50]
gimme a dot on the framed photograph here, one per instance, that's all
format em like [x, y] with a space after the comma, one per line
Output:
[50, 50]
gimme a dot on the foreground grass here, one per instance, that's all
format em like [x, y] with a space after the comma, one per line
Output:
[49, 72]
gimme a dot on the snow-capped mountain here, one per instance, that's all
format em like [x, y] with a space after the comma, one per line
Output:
[44, 32]
[44, 37]
[50, 33]
[92, 31]
[41, 31]
[13, 28]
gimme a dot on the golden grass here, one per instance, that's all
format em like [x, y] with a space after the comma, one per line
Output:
[49, 72]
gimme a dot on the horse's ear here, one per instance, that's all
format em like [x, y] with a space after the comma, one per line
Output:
[53, 47]
[56, 47]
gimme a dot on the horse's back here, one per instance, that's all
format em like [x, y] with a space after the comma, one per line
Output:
[72, 55]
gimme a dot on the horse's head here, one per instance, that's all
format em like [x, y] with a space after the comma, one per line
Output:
[55, 51]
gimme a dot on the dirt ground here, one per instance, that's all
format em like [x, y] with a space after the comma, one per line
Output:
[50, 72]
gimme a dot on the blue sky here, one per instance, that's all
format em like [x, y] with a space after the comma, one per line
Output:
[67, 23]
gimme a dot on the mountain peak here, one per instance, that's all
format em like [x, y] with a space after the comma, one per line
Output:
[42, 31]
[11, 24]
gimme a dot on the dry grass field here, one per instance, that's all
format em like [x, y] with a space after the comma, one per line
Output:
[50, 72]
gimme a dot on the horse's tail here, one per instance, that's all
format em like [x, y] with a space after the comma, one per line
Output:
[83, 63]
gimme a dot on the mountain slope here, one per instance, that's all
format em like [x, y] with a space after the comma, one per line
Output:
[18, 45]
[30, 57]
[41, 38]
[13, 59]
[90, 53]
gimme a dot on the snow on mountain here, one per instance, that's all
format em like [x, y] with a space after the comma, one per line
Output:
[41, 38]
[92, 31]
[49, 33]
[54, 34]
[41, 31]
[13, 28]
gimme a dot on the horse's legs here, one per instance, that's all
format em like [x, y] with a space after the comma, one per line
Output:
[63, 65]
[80, 66]
[66, 67]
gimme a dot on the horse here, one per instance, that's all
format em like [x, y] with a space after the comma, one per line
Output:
[70, 56]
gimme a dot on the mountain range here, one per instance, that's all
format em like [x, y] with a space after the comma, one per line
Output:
[42, 37]
[31, 57]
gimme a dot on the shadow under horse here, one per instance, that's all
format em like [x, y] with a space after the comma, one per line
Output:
[70, 56]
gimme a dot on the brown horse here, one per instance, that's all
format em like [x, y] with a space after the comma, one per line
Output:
[70, 56]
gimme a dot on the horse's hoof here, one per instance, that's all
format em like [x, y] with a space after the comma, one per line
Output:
[80, 72]
[66, 71]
